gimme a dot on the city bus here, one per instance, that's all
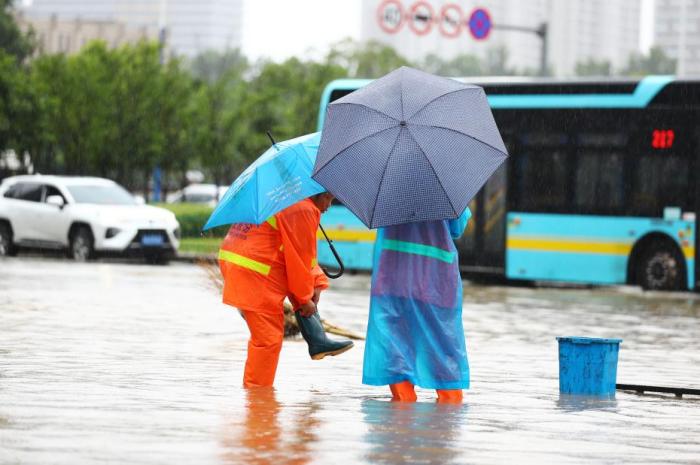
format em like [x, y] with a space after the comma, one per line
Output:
[600, 186]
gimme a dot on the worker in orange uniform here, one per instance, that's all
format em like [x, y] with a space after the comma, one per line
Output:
[263, 264]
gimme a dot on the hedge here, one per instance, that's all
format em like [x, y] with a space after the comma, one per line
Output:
[192, 217]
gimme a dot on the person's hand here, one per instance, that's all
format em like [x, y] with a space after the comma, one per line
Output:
[307, 309]
[317, 295]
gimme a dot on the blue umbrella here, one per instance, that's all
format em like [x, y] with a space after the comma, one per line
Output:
[280, 177]
[408, 147]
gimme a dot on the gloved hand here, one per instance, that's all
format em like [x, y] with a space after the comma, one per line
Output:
[307, 309]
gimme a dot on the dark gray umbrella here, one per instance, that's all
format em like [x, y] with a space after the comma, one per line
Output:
[408, 147]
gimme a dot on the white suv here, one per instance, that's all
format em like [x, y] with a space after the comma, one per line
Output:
[83, 215]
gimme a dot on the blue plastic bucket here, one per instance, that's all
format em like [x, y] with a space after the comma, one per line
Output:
[588, 365]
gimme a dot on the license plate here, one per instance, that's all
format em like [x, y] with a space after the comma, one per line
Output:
[151, 239]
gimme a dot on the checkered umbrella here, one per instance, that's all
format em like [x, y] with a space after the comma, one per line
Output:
[408, 147]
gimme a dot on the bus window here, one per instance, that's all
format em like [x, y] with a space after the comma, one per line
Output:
[659, 181]
[599, 182]
[541, 181]
[541, 172]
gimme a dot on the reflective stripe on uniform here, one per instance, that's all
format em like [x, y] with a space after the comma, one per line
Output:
[418, 249]
[314, 262]
[272, 221]
[244, 262]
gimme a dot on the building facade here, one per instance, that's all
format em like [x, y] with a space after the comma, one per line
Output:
[68, 36]
[577, 30]
[677, 32]
[191, 26]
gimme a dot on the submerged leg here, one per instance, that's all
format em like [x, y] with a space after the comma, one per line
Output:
[403, 392]
[264, 346]
[449, 396]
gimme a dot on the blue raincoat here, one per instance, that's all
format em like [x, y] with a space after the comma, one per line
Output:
[415, 330]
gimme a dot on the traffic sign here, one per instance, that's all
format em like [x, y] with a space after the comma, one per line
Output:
[450, 20]
[390, 16]
[480, 23]
[421, 18]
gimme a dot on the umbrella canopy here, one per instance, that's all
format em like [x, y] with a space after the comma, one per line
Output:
[280, 177]
[408, 147]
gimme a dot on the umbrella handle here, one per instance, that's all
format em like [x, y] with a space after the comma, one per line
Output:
[337, 258]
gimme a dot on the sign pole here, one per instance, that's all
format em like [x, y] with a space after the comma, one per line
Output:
[541, 31]
[542, 34]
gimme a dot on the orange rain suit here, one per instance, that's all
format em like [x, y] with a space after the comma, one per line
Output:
[262, 265]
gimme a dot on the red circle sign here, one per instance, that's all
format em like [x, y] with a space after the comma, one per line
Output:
[450, 20]
[421, 18]
[390, 16]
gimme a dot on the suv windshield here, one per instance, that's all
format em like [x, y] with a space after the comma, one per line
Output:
[102, 195]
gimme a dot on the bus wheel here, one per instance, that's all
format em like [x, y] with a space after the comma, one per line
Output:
[661, 269]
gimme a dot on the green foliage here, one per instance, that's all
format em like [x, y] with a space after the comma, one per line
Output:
[119, 113]
[192, 217]
[461, 66]
[365, 60]
[593, 67]
[218, 109]
[656, 62]
[465, 65]
[201, 245]
[13, 41]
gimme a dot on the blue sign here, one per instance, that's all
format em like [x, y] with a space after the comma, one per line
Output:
[480, 23]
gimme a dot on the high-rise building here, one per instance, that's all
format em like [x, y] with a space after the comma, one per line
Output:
[577, 30]
[192, 26]
[70, 35]
[677, 32]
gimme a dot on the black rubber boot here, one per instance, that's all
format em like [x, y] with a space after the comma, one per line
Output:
[315, 336]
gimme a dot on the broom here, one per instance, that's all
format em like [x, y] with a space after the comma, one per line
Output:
[291, 328]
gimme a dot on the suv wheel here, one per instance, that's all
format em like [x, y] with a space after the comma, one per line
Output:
[7, 248]
[660, 269]
[82, 246]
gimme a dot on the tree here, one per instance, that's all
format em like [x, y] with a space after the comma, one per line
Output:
[371, 59]
[13, 41]
[462, 65]
[496, 63]
[211, 66]
[220, 123]
[593, 67]
[656, 62]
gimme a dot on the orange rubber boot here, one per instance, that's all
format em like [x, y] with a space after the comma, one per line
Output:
[403, 392]
[264, 346]
[449, 396]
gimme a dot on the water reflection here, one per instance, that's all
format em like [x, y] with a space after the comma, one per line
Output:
[579, 403]
[401, 432]
[261, 440]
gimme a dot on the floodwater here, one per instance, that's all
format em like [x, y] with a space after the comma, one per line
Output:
[123, 363]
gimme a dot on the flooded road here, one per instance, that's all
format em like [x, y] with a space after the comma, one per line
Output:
[121, 363]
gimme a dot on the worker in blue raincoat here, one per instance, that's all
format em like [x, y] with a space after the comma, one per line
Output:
[415, 334]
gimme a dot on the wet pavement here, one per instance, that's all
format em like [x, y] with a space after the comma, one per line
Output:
[128, 363]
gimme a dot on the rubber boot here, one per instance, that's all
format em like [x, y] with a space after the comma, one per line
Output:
[403, 392]
[315, 336]
[449, 396]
